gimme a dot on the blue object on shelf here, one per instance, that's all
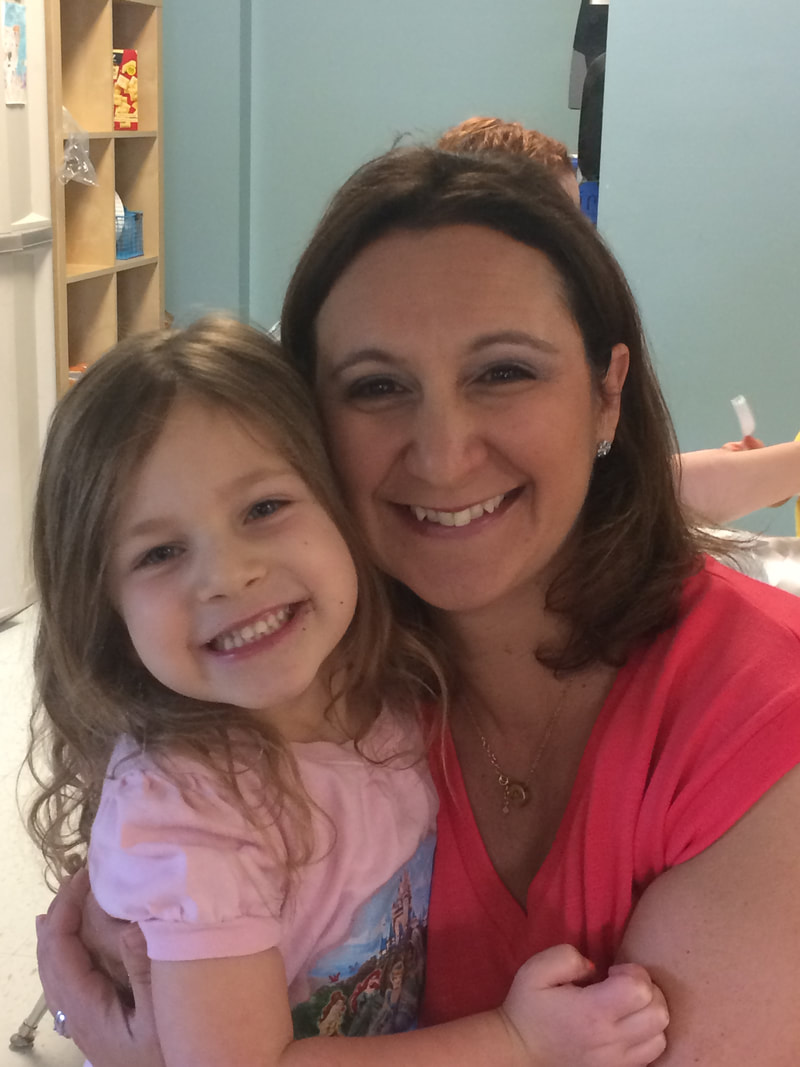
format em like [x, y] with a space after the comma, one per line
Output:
[129, 242]
[590, 192]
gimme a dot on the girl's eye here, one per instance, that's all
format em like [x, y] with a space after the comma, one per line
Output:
[375, 388]
[506, 372]
[265, 508]
[159, 554]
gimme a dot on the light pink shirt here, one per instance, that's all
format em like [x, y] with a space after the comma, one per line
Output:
[170, 851]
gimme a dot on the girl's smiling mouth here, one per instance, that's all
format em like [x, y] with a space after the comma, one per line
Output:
[270, 622]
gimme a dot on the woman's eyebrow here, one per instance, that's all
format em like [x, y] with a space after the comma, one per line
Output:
[372, 354]
[361, 355]
[513, 337]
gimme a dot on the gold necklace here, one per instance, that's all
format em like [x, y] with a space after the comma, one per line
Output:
[515, 792]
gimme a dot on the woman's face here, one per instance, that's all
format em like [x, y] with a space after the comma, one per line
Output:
[461, 410]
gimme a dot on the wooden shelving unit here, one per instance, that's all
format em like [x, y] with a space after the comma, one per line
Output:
[99, 298]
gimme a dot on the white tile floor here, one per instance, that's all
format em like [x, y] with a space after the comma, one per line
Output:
[23, 892]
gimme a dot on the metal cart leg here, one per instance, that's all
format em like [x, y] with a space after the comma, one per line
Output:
[25, 1036]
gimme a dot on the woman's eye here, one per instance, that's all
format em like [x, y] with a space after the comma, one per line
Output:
[159, 554]
[506, 372]
[265, 508]
[373, 388]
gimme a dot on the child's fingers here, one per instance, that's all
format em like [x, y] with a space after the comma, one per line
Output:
[647, 1022]
[557, 966]
[633, 970]
[644, 1053]
[623, 992]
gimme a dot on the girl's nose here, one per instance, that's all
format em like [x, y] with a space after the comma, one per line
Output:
[226, 567]
[446, 444]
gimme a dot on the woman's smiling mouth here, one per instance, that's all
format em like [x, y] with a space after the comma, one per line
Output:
[460, 518]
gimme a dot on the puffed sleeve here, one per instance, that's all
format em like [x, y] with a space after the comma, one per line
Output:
[185, 863]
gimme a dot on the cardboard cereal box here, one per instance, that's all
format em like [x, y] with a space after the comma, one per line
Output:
[126, 89]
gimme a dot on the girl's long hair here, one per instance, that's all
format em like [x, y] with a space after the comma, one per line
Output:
[90, 686]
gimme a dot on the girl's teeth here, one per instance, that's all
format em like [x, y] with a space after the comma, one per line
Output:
[252, 631]
[458, 518]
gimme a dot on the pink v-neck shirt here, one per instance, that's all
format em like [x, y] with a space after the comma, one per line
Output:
[698, 725]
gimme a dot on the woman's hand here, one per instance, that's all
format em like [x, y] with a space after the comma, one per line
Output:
[109, 1031]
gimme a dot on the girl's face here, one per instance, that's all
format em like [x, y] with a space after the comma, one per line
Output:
[461, 409]
[233, 582]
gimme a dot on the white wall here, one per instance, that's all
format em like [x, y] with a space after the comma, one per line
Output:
[700, 164]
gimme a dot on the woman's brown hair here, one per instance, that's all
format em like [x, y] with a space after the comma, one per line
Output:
[632, 547]
[90, 686]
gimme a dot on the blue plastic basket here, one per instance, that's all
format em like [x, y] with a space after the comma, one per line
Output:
[129, 242]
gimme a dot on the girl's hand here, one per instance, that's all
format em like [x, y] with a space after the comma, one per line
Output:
[616, 1023]
[108, 1031]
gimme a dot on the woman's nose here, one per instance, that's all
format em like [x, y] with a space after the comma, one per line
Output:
[446, 444]
[225, 566]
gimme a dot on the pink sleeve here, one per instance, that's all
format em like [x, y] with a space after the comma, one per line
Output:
[185, 864]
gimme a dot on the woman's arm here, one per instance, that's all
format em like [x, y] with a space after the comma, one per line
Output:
[721, 935]
[105, 1030]
[721, 485]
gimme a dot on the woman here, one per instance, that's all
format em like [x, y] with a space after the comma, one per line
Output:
[619, 762]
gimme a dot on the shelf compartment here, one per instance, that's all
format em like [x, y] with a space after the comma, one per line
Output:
[86, 63]
[81, 272]
[136, 26]
[95, 135]
[138, 182]
[138, 298]
[89, 214]
[91, 318]
[132, 264]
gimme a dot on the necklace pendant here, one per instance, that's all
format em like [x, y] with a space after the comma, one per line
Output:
[517, 793]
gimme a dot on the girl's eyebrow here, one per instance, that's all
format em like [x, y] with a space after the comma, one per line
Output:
[152, 524]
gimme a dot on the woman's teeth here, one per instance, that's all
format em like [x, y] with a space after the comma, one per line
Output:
[458, 518]
[271, 622]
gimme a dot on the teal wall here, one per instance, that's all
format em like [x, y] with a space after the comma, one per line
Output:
[288, 98]
[698, 181]
[334, 84]
[206, 156]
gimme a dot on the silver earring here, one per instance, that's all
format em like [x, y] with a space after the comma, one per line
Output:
[603, 448]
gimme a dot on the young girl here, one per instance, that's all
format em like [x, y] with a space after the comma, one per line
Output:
[227, 704]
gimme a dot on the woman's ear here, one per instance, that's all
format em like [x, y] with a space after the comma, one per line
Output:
[611, 392]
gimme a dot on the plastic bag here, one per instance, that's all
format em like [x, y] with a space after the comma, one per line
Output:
[77, 165]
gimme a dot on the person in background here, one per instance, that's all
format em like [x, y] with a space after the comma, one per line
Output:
[480, 134]
[716, 488]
